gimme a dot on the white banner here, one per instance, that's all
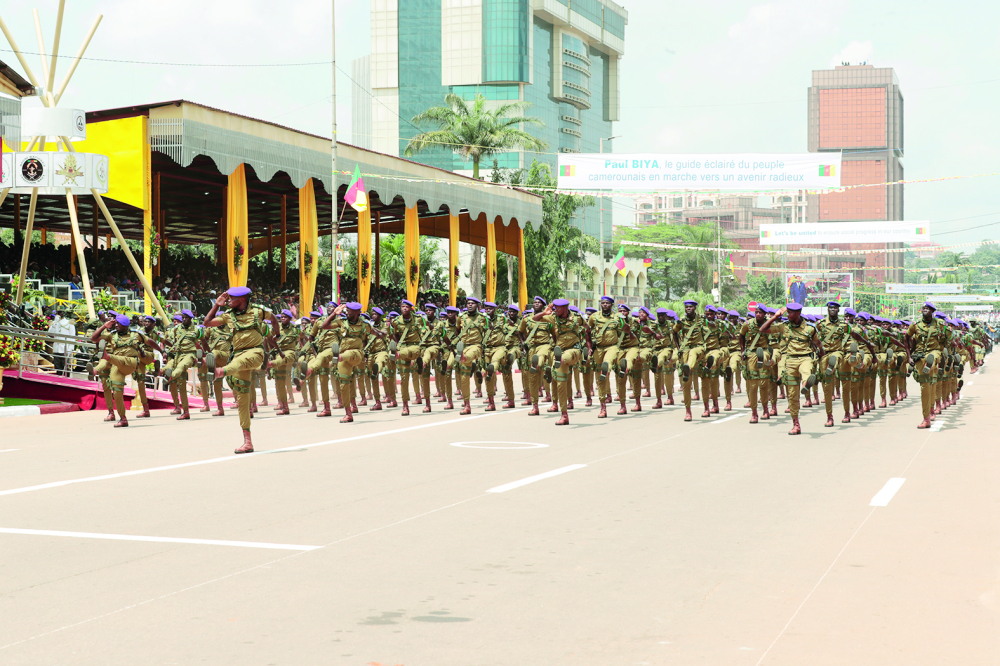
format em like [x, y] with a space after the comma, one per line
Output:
[821, 233]
[896, 288]
[974, 308]
[655, 171]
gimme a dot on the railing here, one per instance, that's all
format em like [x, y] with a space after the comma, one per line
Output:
[30, 360]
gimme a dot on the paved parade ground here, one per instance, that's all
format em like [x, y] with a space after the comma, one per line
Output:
[440, 540]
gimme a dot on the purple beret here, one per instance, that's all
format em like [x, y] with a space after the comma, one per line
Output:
[609, 299]
[187, 312]
[490, 304]
[708, 308]
[123, 320]
[539, 298]
[833, 304]
[591, 310]
[430, 305]
[288, 313]
[354, 306]
[149, 318]
[513, 307]
[690, 302]
[177, 317]
[393, 314]
[575, 309]
[236, 292]
[661, 311]
[316, 313]
[560, 302]
[407, 302]
[646, 310]
[794, 307]
[378, 311]
[112, 313]
[928, 304]
[850, 311]
[473, 299]
[671, 314]
[452, 309]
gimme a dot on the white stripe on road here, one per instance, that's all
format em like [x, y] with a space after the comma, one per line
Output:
[9, 450]
[728, 418]
[20, 410]
[154, 539]
[531, 479]
[890, 488]
[937, 425]
[245, 456]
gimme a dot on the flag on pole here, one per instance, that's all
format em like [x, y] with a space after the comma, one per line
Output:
[620, 261]
[731, 267]
[356, 194]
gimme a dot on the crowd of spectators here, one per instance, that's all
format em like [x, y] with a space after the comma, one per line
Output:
[199, 279]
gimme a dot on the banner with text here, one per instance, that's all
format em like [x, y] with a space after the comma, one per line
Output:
[655, 171]
[821, 233]
[900, 288]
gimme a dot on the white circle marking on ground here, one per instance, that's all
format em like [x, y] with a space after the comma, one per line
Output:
[515, 445]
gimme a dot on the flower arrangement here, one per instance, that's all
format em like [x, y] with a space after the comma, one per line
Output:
[457, 273]
[39, 324]
[308, 259]
[237, 253]
[414, 271]
[154, 247]
[8, 353]
[364, 266]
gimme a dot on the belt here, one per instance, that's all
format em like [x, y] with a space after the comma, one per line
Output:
[612, 344]
[799, 355]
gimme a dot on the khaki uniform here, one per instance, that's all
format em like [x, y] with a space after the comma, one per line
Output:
[123, 357]
[691, 335]
[605, 331]
[247, 339]
[380, 364]
[219, 340]
[446, 336]
[408, 333]
[322, 364]
[754, 370]
[628, 351]
[568, 334]
[835, 337]
[929, 341]
[539, 343]
[474, 329]
[353, 338]
[185, 345]
[495, 355]
[283, 363]
[666, 358]
[715, 351]
[145, 358]
[799, 358]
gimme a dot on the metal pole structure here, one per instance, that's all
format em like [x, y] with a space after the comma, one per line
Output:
[333, 151]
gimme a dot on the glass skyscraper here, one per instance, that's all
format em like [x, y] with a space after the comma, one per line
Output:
[560, 55]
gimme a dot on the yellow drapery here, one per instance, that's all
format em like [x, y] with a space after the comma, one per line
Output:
[491, 262]
[147, 212]
[411, 236]
[364, 257]
[522, 271]
[308, 247]
[237, 239]
[453, 234]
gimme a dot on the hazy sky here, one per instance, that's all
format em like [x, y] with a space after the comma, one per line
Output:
[711, 76]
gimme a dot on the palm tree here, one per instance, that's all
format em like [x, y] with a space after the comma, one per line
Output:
[475, 132]
[392, 259]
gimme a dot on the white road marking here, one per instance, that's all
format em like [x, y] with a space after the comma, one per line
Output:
[937, 425]
[516, 445]
[9, 450]
[728, 418]
[155, 539]
[246, 456]
[531, 479]
[890, 488]
[19, 410]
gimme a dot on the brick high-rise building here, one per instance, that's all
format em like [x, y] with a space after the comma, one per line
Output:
[857, 110]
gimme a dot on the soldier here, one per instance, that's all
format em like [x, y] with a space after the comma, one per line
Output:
[186, 353]
[628, 366]
[689, 335]
[568, 335]
[326, 341]
[449, 334]
[665, 362]
[715, 353]
[802, 338]
[538, 342]
[348, 353]
[755, 347]
[377, 353]
[731, 365]
[409, 331]
[121, 350]
[307, 352]
[283, 360]
[587, 365]
[840, 359]
[604, 328]
[512, 345]
[249, 329]
[145, 359]
[650, 347]
[473, 329]
[494, 352]
[577, 369]
[926, 338]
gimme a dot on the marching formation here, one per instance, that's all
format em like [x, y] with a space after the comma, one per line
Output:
[707, 352]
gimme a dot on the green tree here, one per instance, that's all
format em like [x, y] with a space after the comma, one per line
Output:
[475, 132]
[554, 246]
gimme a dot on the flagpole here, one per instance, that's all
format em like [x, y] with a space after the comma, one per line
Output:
[335, 281]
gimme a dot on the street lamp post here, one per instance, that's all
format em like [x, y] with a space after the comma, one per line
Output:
[601, 221]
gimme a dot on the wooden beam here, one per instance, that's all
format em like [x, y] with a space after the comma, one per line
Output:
[155, 223]
[284, 235]
[96, 235]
